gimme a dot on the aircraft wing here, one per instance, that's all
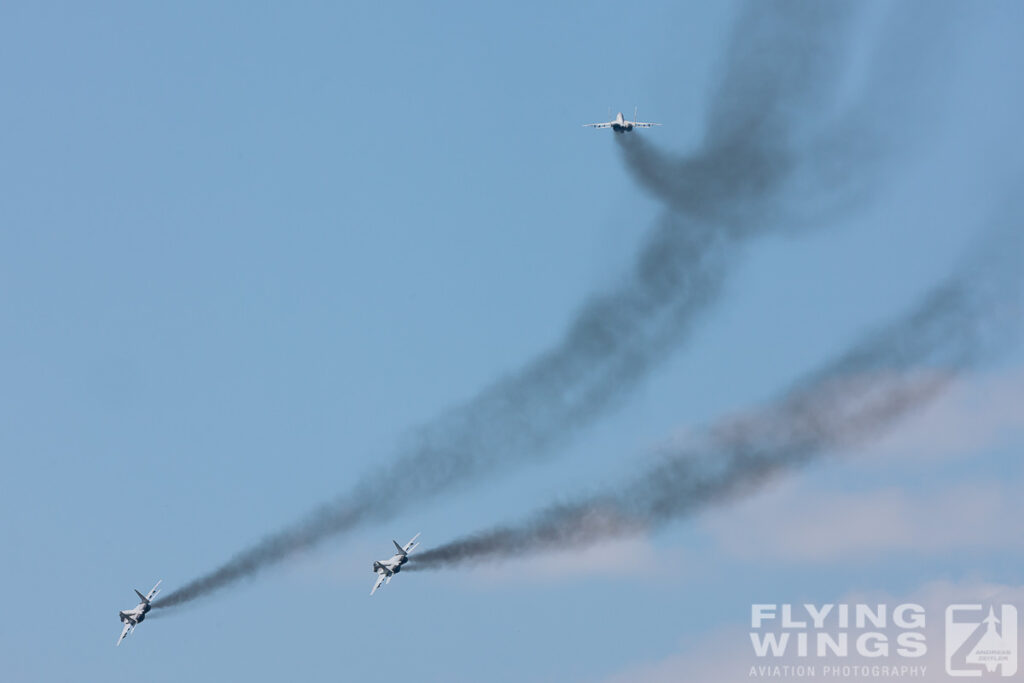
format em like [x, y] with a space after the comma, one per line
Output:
[644, 124]
[598, 125]
[153, 591]
[411, 544]
[127, 628]
[380, 580]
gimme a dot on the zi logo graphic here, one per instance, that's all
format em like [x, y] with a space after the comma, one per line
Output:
[977, 644]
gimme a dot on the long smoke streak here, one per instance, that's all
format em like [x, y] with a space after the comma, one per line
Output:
[614, 341]
[862, 392]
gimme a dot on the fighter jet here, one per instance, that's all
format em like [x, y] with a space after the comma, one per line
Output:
[134, 616]
[621, 125]
[385, 569]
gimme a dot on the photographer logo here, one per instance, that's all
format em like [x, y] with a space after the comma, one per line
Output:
[981, 640]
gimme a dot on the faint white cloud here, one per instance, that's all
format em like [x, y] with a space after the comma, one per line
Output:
[701, 661]
[726, 654]
[799, 522]
[979, 412]
[795, 519]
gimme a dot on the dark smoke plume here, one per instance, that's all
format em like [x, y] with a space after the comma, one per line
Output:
[865, 390]
[770, 125]
[614, 341]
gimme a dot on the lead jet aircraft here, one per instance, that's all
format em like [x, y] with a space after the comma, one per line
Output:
[134, 616]
[385, 569]
[620, 125]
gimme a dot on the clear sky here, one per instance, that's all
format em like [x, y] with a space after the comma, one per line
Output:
[244, 248]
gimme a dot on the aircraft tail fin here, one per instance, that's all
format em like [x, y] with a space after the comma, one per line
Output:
[152, 593]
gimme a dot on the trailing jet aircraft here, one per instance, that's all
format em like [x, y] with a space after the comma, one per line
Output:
[134, 616]
[620, 125]
[385, 569]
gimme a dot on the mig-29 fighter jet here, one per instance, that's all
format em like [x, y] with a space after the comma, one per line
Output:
[385, 569]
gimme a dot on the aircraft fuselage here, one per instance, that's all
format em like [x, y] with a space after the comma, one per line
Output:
[136, 615]
[621, 125]
[392, 566]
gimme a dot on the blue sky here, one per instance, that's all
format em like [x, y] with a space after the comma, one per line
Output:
[245, 248]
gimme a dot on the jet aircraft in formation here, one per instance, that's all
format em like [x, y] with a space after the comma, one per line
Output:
[385, 569]
[620, 125]
[134, 616]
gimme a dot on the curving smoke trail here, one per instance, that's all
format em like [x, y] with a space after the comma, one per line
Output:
[771, 125]
[616, 338]
[865, 390]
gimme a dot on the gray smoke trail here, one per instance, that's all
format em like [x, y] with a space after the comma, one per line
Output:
[862, 392]
[769, 122]
[612, 342]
